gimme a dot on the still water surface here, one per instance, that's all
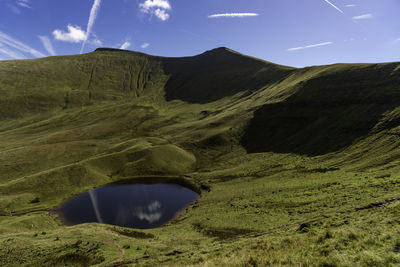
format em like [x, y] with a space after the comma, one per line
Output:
[141, 206]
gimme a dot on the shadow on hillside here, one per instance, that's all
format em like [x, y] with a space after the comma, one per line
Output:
[328, 114]
[217, 74]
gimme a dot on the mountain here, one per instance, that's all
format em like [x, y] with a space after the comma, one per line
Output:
[35, 86]
[293, 162]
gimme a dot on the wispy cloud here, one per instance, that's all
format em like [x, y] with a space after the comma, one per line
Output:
[92, 18]
[233, 15]
[335, 7]
[11, 42]
[158, 8]
[24, 3]
[352, 5]
[10, 53]
[74, 34]
[14, 9]
[47, 45]
[145, 45]
[15, 5]
[95, 42]
[309, 46]
[364, 16]
[125, 45]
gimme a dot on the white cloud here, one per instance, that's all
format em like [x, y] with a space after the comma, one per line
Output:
[350, 5]
[158, 8]
[233, 15]
[161, 14]
[74, 34]
[145, 45]
[364, 16]
[47, 45]
[24, 3]
[92, 18]
[335, 7]
[11, 42]
[309, 46]
[125, 45]
[150, 4]
[296, 48]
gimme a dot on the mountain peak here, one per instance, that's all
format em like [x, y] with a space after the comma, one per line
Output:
[102, 49]
[219, 50]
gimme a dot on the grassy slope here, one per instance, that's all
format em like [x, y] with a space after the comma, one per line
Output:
[73, 123]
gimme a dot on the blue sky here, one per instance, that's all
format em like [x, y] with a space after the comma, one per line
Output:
[290, 32]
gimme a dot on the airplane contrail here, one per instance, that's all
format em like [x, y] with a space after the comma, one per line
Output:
[92, 18]
[11, 42]
[335, 7]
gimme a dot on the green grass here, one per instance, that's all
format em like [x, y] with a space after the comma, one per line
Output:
[293, 158]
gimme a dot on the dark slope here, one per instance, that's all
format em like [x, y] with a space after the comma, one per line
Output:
[329, 112]
[218, 73]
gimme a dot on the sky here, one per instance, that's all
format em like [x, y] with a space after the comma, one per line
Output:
[289, 32]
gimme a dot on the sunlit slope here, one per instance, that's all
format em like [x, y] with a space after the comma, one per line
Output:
[40, 85]
[34, 86]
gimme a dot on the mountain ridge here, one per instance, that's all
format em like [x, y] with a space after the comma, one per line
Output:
[188, 78]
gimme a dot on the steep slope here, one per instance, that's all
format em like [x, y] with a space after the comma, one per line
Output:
[330, 111]
[35, 86]
[218, 73]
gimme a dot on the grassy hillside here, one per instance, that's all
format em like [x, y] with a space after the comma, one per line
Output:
[335, 108]
[36, 86]
[295, 166]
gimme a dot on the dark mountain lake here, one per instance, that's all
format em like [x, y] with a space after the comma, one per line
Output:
[141, 206]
